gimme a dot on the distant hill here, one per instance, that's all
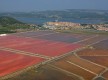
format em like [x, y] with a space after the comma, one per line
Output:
[64, 14]
[5, 20]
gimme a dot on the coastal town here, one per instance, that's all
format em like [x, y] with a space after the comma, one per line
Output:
[70, 25]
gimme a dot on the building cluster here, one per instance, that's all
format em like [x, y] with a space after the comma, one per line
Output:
[103, 27]
[61, 25]
[100, 27]
[70, 26]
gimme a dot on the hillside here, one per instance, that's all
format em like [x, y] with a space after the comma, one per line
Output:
[4, 20]
[11, 25]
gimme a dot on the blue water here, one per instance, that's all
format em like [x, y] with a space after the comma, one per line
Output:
[43, 20]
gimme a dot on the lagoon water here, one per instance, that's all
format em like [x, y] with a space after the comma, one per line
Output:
[43, 20]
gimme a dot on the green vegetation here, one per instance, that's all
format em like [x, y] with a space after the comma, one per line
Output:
[8, 24]
[5, 30]
[11, 25]
[4, 21]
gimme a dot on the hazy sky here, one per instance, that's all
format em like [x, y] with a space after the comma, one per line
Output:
[36, 5]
